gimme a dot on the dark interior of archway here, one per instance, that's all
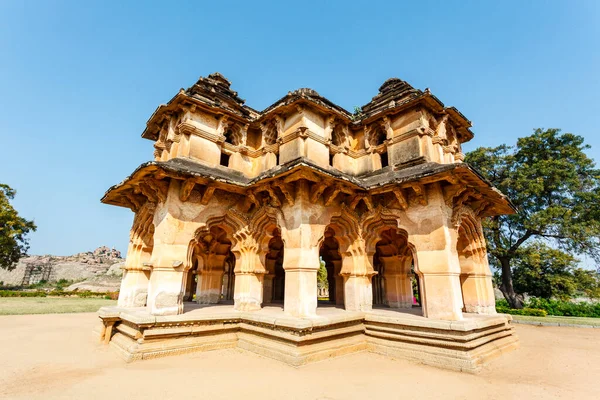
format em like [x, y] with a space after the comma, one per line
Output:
[192, 282]
[330, 254]
[276, 253]
[228, 277]
[392, 243]
[213, 243]
[462, 245]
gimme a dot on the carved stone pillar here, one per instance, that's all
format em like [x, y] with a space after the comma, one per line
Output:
[134, 287]
[301, 266]
[440, 283]
[478, 294]
[268, 288]
[167, 280]
[476, 283]
[209, 287]
[249, 271]
[303, 228]
[165, 295]
[357, 272]
[398, 286]
[248, 295]
[339, 283]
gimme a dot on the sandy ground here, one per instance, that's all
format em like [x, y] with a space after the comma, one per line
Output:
[56, 356]
[47, 305]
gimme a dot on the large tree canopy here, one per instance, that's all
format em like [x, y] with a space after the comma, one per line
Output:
[542, 271]
[556, 189]
[13, 230]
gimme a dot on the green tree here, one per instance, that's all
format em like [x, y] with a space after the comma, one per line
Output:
[542, 271]
[13, 230]
[556, 189]
[322, 275]
[588, 282]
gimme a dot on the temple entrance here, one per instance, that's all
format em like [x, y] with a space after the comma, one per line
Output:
[212, 267]
[274, 289]
[393, 261]
[329, 253]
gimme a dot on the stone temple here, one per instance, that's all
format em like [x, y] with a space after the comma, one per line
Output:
[240, 207]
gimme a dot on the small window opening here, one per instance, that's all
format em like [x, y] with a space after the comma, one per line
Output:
[384, 160]
[225, 160]
[229, 137]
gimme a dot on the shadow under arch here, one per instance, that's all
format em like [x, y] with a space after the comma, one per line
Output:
[394, 259]
[210, 276]
[329, 252]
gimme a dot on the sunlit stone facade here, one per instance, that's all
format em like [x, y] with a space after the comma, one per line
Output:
[241, 205]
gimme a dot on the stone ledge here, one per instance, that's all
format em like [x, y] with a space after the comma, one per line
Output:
[458, 345]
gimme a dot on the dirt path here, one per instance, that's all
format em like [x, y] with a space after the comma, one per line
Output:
[56, 356]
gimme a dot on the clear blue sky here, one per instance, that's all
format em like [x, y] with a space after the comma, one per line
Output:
[78, 80]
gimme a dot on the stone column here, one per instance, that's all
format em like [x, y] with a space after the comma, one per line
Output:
[301, 266]
[169, 257]
[134, 284]
[134, 287]
[397, 281]
[478, 294]
[249, 271]
[440, 283]
[476, 284]
[268, 288]
[358, 293]
[436, 258]
[357, 272]
[248, 292]
[302, 229]
[165, 295]
[210, 283]
[339, 283]
[210, 279]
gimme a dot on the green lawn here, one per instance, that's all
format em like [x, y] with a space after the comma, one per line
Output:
[50, 305]
[559, 320]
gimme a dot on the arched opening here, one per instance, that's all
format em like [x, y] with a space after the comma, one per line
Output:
[338, 136]
[393, 261]
[212, 272]
[270, 135]
[329, 253]
[475, 276]
[274, 290]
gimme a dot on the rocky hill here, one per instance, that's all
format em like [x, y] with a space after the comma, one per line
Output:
[98, 270]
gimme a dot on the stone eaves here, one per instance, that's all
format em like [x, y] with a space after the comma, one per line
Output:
[183, 168]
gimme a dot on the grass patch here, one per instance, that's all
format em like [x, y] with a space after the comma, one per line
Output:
[51, 305]
[559, 320]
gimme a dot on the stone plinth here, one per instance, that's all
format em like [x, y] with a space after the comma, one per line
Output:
[459, 345]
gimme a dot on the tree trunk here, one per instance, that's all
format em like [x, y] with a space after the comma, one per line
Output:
[514, 300]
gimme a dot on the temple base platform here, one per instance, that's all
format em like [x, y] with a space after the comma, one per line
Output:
[464, 345]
